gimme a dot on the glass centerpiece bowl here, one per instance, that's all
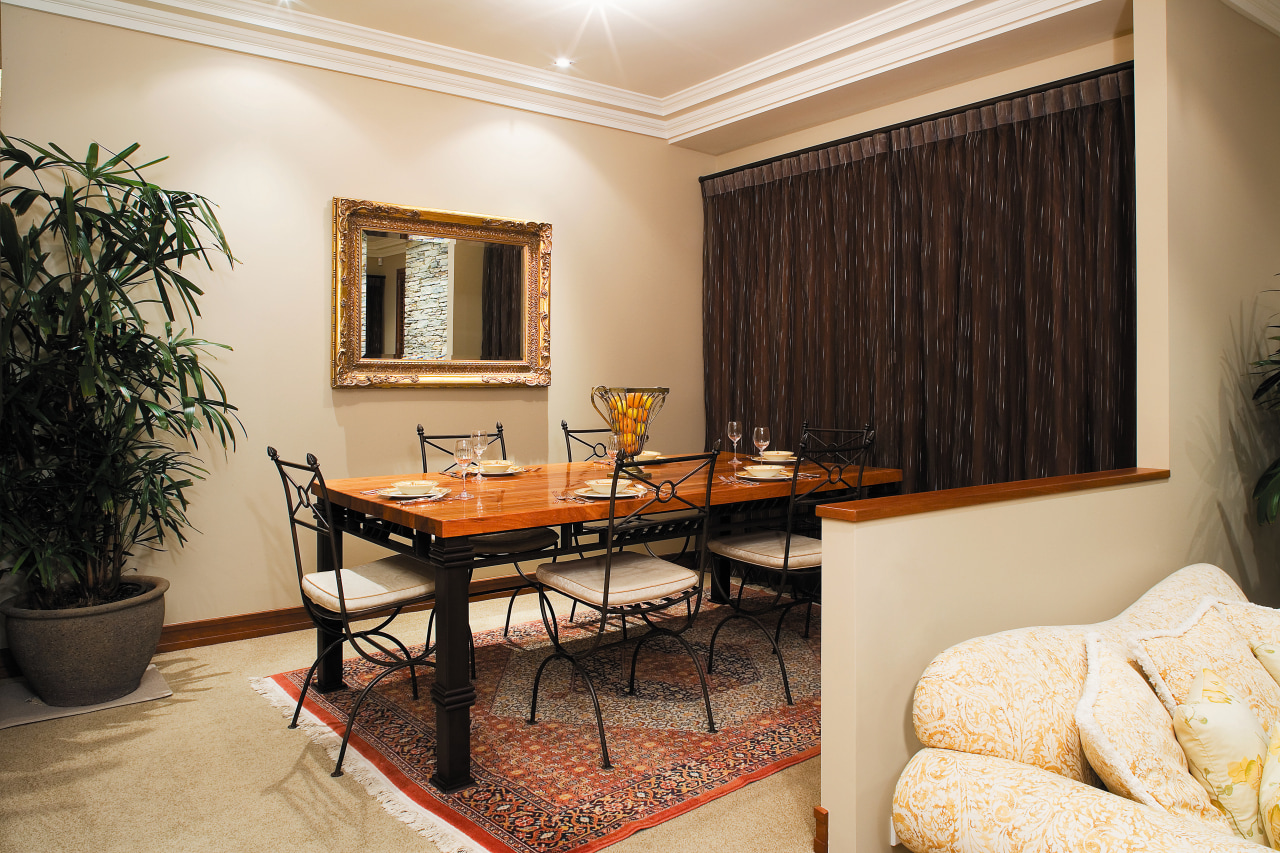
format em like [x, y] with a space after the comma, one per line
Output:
[629, 412]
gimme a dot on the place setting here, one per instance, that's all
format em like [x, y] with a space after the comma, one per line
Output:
[412, 491]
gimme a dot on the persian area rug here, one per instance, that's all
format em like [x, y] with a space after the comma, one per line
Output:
[540, 788]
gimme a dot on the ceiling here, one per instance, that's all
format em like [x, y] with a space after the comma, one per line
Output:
[707, 74]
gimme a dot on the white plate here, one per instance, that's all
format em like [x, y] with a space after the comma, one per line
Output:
[774, 460]
[780, 477]
[395, 494]
[626, 494]
[507, 473]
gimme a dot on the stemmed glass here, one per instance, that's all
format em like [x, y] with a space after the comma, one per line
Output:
[735, 435]
[479, 444]
[760, 438]
[463, 452]
[612, 445]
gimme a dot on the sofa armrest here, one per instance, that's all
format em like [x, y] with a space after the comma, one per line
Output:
[962, 803]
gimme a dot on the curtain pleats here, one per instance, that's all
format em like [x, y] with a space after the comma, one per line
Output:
[965, 285]
[502, 298]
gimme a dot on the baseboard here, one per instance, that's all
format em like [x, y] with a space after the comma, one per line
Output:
[820, 830]
[265, 623]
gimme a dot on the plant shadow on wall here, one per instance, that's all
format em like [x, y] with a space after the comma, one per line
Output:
[103, 395]
[1230, 470]
[1266, 492]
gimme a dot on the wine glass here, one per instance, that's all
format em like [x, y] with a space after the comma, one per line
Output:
[612, 445]
[479, 444]
[463, 452]
[735, 435]
[760, 438]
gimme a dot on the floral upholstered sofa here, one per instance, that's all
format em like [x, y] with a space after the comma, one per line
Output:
[1005, 766]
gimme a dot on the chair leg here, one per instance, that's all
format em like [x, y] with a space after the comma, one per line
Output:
[808, 618]
[355, 709]
[777, 650]
[409, 659]
[702, 677]
[293, 724]
[506, 626]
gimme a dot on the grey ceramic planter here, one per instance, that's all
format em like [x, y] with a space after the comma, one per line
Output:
[87, 655]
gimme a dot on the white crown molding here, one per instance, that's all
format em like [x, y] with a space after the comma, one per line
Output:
[993, 19]
[272, 46]
[910, 32]
[844, 38]
[1263, 12]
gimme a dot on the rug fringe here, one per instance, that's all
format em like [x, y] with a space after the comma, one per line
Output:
[430, 826]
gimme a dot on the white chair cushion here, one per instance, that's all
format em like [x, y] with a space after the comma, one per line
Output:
[766, 548]
[382, 583]
[633, 578]
[514, 541]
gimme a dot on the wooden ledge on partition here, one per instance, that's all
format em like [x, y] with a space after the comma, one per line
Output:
[920, 502]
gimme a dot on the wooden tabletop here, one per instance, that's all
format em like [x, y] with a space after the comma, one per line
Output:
[520, 501]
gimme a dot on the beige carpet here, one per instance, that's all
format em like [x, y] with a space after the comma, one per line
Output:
[213, 768]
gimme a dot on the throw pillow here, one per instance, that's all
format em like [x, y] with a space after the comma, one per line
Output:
[1268, 654]
[1127, 735]
[1173, 659]
[1225, 747]
[1269, 793]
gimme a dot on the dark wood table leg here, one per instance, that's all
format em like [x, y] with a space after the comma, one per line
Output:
[329, 672]
[453, 693]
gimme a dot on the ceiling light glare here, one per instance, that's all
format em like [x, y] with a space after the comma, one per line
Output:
[563, 62]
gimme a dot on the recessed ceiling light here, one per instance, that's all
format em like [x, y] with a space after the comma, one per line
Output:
[563, 62]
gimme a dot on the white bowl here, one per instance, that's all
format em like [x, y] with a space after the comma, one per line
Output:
[764, 470]
[648, 455]
[777, 454]
[601, 487]
[415, 487]
[496, 466]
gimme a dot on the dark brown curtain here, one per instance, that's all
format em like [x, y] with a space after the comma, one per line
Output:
[964, 284]
[502, 299]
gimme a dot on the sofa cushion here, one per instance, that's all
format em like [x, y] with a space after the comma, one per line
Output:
[1128, 738]
[1225, 747]
[1257, 624]
[1173, 659]
[952, 802]
[1014, 694]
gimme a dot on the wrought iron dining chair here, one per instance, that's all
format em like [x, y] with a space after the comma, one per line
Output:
[791, 557]
[443, 443]
[621, 583]
[595, 448]
[336, 599]
[518, 544]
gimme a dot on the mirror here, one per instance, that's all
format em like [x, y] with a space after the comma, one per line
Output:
[435, 298]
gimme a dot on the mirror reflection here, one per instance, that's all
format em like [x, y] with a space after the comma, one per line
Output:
[438, 298]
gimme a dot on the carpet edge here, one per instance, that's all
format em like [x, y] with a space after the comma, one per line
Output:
[433, 827]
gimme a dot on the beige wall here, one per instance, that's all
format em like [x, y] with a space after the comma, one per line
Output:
[272, 144]
[1209, 215]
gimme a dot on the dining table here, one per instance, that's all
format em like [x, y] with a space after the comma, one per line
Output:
[438, 531]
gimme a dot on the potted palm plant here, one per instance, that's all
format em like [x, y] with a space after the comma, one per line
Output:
[102, 399]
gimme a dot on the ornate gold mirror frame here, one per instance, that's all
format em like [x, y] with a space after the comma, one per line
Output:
[355, 221]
